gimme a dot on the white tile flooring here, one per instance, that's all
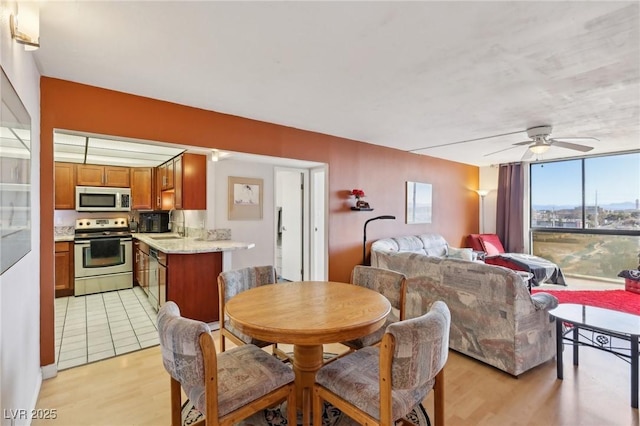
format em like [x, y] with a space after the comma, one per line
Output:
[98, 326]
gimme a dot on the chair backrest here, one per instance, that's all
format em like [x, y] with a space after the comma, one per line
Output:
[420, 349]
[239, 280]
[473, 241]
[489, 243]
[180, 345]
[385, 281]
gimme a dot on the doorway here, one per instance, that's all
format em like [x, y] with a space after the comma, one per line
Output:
[290, 197]
[301, 230]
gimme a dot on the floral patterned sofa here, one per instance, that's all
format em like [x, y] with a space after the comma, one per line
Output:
[494, 318]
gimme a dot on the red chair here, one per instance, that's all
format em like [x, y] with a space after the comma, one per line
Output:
[488, 243]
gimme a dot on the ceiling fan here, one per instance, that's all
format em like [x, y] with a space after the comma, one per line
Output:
[540, 142]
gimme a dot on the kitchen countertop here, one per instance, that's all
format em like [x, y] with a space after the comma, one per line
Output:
[190, 245]
[63, 233]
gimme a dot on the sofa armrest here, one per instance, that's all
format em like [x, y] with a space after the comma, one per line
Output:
[544, 301]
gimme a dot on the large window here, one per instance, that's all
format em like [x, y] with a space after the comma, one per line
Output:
[585, 214]
[591, 193]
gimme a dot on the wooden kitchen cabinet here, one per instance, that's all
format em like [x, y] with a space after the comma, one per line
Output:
[162, 278]
[142, 195]
[157, 190]
[96, 175]
[166, 171]
[141, 265]
[177, 183]
[64, 186]
[192, 283]
[64, 273]
[190, 183]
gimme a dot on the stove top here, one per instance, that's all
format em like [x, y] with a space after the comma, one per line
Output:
[102, 228]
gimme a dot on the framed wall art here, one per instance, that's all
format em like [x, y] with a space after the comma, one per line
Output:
[419, 205]
[245, 198]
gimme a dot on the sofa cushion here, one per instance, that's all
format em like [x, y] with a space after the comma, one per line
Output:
[386, 244]
[410, 243]
[491, 244]
[460, 253]
[434, 244]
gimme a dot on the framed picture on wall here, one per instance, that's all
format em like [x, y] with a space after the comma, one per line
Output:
[245, 198]
[419, 205]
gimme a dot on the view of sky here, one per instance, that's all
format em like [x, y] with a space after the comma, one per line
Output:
[616, 179]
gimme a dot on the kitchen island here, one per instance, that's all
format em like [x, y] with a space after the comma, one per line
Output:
[183, 270]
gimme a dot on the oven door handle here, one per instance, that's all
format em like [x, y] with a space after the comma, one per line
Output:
[88, 242]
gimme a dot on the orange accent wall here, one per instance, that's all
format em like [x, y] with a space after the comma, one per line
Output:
[381, 172]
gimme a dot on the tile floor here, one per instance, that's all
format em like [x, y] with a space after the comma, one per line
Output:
[98, 326]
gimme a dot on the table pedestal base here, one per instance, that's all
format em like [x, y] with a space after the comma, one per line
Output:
[307, 360]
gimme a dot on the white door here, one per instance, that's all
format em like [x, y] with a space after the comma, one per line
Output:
[290, 199]
[318, 228]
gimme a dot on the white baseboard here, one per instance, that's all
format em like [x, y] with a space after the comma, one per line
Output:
[49, 371]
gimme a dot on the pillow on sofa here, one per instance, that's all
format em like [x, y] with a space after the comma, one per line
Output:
[491, 244]
[460, 253]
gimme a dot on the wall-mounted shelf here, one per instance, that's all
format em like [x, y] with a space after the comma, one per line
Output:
[362, 209]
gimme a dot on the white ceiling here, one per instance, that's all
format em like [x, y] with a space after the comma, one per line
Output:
[418, 76]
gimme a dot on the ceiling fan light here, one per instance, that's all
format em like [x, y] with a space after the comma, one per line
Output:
[539, 148]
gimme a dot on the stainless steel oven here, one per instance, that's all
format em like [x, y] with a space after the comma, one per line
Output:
[103, 256]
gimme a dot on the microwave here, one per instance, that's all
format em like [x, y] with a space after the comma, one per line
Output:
[102, 199]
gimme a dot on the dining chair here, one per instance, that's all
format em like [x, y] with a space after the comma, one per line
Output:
[390, 284]
[226, 388]
[378, 385]
[231, 283]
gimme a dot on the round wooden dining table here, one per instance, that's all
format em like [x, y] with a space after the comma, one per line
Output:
[308, 314]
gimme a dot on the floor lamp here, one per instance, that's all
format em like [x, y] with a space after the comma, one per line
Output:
[482, 193]
[364, 233]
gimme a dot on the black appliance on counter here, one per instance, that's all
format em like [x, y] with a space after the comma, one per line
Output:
[154, 222]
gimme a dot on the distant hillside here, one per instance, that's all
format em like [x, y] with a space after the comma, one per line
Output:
[613, 206]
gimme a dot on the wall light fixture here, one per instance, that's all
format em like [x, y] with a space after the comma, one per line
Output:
[25, 26]
[482, 193]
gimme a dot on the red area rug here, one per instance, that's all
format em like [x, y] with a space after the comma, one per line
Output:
[619, 300]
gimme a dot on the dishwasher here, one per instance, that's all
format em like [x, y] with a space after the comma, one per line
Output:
[154, 281]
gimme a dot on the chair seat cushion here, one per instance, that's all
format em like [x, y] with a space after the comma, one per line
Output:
[245, 373]
[245, 337]
[355, 378]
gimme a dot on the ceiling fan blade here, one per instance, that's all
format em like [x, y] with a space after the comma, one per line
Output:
[506, 149]
[574, 146]
[576, 139]
[529, 142]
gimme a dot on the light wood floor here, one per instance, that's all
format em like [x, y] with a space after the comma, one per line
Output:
[133, 389]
